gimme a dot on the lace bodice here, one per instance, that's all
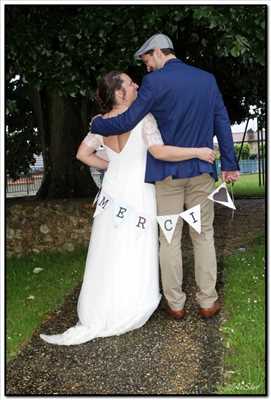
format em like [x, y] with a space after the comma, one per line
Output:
[150, 133]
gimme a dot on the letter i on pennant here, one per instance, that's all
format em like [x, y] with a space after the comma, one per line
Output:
[168, 224]
[192, 217]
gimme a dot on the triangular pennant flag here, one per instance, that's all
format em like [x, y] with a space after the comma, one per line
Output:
[96, 198]
[98, 211]
[168, 224]
[121, 213]
[192, 217]
[222, 196]
[102, 203]
[141, 223]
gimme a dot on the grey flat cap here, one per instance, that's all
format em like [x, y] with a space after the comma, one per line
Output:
[159, 40]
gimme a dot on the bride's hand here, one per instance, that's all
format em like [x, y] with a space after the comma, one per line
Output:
[206, 154]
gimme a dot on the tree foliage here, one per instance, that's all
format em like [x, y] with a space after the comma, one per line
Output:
[59, 52]
[245, 153]
[22, 138]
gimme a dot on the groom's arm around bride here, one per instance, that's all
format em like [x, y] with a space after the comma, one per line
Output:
[186, 103]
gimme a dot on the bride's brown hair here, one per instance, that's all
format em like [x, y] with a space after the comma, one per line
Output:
[107, 86]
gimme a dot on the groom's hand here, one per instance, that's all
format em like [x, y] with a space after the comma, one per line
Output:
[230, 176]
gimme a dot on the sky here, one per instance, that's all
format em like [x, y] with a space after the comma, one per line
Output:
[241, 127]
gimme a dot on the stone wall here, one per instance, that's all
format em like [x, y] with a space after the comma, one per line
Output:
[33, 225]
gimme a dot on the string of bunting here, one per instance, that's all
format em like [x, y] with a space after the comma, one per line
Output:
[167, 223]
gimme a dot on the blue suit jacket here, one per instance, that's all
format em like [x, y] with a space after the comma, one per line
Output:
[189, 110]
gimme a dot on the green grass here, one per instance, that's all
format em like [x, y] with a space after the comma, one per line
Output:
[244, 329]
[247, 186]
[31, 296]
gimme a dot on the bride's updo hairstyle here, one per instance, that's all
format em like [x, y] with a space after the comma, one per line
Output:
[107, 86]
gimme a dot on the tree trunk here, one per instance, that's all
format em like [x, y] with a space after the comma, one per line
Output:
[62, 126]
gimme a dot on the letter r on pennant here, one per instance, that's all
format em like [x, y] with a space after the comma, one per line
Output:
[141, 221]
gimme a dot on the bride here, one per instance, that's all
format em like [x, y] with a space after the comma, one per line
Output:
[120, 289]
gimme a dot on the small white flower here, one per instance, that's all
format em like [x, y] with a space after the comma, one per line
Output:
[31, 297]
[37, 270]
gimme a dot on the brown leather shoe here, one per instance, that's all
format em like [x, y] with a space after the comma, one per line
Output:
[176, 314]
[210, 312]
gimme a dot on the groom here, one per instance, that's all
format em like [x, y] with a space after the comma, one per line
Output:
[189, 110]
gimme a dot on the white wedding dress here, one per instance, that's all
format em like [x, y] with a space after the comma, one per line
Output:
[120, 289]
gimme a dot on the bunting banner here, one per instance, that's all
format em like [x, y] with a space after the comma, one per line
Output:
[122, 212]
[222, 196]
[168, 224]
[192, 217]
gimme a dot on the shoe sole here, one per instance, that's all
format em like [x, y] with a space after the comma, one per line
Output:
[209, 316]
[170, 316]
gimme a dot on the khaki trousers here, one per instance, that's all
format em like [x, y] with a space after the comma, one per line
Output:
[172, 195]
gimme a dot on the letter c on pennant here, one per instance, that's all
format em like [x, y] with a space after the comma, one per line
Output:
[165, 225]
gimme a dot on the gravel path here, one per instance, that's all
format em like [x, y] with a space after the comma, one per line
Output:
[163, 357]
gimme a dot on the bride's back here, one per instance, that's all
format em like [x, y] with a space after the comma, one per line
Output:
[116, 142]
